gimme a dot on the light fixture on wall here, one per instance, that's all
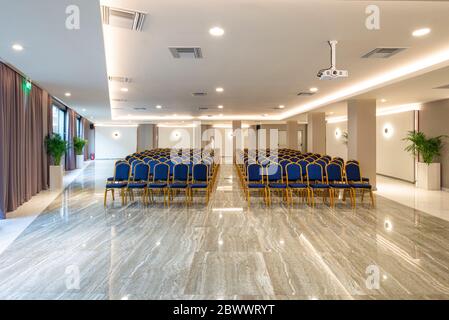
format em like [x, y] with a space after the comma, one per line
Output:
[116, 135]
[337, 133]
[387, 130]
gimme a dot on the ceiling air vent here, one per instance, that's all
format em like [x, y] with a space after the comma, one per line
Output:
[122, 18]
[383, 53]
[119, 100]
[186, 53]
[305, 94]
[199, 94]
[203, 108]
[120, 79]
[140, 109]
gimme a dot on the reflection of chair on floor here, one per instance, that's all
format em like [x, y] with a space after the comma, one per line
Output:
[119, 181]
[160, 181]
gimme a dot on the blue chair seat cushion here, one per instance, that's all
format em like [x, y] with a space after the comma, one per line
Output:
[361, 185]
[116, 185]
[178, 185]
[256, 185]
[277, 185]
[340, 185]
[198, 185]
[157, 185]
[297, 185]
[319, 186]
[137, 185]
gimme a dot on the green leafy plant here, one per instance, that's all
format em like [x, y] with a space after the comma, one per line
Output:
[56, 147]
[427, 148]
[78, 145]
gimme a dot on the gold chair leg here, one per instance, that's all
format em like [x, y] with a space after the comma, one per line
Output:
[113, 194]
[105, 196]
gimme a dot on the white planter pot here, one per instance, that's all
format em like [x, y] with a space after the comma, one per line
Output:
[56, 177]
[428, 176]
[79, 161]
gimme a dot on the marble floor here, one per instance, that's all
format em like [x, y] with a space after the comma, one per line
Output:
[76, 249]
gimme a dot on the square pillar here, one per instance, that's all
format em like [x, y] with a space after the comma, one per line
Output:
[237, 138]
[362, 136]
[316, 132]
[292, 135]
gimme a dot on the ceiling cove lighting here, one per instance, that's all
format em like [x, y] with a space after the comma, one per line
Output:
[151, 118]
[219, 90]
[313, 89]
[163, 125]
[216, 31]
[113, 125]
[220, 107]
[281, 107]
[421, 32]
[432, 60]
[17, 47]
[228, 126]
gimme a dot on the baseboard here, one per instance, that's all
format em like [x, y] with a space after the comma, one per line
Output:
[396, 178]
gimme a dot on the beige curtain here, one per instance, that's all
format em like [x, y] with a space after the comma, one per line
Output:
[70, 157]
[23, 160]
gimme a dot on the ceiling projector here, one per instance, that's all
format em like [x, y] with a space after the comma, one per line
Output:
[332, 72]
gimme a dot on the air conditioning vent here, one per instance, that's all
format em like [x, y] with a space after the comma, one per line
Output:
[305, 94]
[140, 109]
[119, 100]
[186, 53]
[383, 53]
[120, 79]
[199, 94]
[118, 108]
[203, 108]
[443, 87]
[122, 18]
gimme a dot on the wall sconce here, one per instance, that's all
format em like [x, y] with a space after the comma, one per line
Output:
[387, 130]
[337, 133]
[116, 134]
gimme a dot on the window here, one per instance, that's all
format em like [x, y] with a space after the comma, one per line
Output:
[59, 121]
[79, 127]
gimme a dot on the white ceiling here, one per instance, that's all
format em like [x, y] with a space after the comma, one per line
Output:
[272, 49]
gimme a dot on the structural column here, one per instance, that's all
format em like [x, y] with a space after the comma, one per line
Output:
[316, 132]
[237, 138]
[146, 137]
[292, 135]
[362, 136]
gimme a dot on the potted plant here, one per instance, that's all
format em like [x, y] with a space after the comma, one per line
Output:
[426, 150]
[56, 148]
[78, 145]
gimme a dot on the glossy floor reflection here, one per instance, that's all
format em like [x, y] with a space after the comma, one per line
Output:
[78, 250]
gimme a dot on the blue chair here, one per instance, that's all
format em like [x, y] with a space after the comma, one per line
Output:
[295, 181]
[120, 181]
[338, 182]
[354, 178]
[275, 181]
[284, 164]
[200, 180]
[139, 181]
[315, 182]
[180, 181]
[152, 164]
[254, 181]
[160, 181]
[134, 164]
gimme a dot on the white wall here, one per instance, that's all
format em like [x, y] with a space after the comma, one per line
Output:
[115, 142]
[335, 146]
[392, 160]
[175, 137]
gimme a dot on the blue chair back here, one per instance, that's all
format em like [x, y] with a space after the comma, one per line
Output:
[152, 164]
[161, 172]
[141, 172]
[334, 173]
[294, 172]
[181, 172]
[284, 164]
[147, 160]
[134, 164]
[353, 172]
[314, 172]
[122, 171]
[274, 172]
[200, 172]
[254, 172]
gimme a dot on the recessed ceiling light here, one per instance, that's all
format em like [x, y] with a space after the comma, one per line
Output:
[281, 107]
[383, 100]
[313, 89]
[17, 47]
[84, 110]
[67, 94]
[124, 89]
[158, 107]
[219, 89]
[216, 31]
[220, 107]
[421, 32]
